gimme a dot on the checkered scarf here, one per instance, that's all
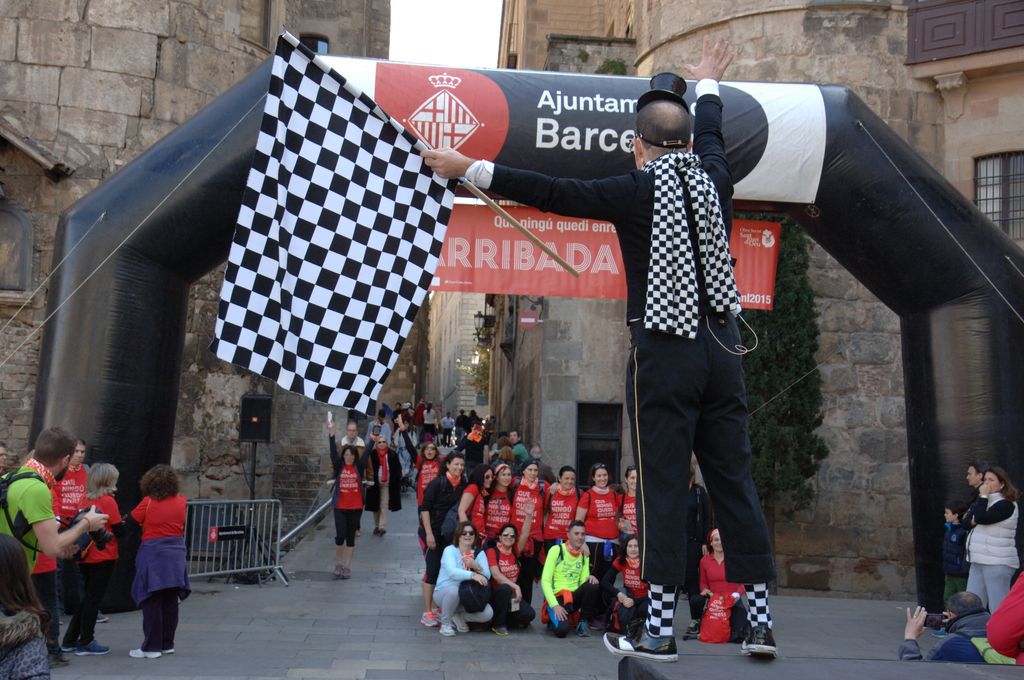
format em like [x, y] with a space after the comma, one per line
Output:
[672, 274]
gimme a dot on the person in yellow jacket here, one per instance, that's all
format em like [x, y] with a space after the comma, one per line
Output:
[571, 592]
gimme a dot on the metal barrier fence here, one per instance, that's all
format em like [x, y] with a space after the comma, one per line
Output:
[234, 537]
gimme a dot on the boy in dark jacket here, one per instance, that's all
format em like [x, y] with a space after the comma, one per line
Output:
[954, 550]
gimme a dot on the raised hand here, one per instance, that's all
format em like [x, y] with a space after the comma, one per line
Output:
[713, 62]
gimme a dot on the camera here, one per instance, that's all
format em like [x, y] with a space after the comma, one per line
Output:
[99, 538]
[933, 620]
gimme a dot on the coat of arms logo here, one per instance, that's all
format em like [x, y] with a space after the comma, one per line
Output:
[443, 120]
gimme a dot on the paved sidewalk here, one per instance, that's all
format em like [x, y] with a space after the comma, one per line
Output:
[368, 627]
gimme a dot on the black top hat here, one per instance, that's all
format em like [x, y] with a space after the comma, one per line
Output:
[667, 86]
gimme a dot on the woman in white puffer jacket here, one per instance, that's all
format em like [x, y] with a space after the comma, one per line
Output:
[992, 544]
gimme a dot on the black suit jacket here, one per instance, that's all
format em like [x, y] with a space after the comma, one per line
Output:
[627, 201]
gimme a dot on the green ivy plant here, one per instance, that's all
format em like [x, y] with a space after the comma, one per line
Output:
[783, 384]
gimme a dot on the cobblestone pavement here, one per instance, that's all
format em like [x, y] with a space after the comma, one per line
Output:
[368, 627]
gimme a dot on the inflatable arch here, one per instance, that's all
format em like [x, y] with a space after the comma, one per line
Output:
[111, 355]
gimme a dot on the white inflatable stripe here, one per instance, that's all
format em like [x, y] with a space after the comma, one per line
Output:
[791, 166]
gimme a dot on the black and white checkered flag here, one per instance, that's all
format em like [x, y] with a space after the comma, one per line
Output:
[338, 237]
[671, 304]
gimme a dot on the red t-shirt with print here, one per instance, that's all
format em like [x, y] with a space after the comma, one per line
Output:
[497, 512]
[108, 506]
[476, 507]
[631, 582]
[526, 494]
[430, 469]
[602, 513]
[71, 490]
[350, 496]
[629, 511]
[561, 511]
[505, 562]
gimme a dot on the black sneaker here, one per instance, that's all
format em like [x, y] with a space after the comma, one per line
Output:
[760, 642]
[643, 646]
[692, 630]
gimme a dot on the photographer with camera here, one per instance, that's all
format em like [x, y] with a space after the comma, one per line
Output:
[96, 560]
[964, 621]
[27, 503]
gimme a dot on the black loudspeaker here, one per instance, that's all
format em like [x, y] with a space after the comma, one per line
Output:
[255, 423]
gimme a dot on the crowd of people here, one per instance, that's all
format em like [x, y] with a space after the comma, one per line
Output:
[983, 619]
[495, 521]
[60, 530]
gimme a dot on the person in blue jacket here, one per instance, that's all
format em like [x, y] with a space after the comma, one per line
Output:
[954, 550]
[966, 618]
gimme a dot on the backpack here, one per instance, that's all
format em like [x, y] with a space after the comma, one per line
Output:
[473, 596]
[451, 521]
[714, 625]
[22, 527]
[990, 655]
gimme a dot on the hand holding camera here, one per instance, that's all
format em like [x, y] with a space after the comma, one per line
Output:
[95, 534]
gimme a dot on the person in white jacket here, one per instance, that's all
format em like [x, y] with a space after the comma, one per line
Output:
[992, 544]
[461, 562]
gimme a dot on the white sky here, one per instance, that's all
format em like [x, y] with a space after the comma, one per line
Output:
[446, 32]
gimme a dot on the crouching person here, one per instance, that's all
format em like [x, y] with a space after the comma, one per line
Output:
[460, 564]
[965, 642]
[510, 609]
[572, 595]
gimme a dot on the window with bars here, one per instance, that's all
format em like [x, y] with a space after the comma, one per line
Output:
[999, 190]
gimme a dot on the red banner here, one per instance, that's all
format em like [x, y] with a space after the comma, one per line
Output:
[484, 254]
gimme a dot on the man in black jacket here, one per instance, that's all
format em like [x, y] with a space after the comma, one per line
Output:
[685, 389]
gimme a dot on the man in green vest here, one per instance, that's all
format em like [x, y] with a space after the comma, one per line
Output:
[27, 504]
[569, 588]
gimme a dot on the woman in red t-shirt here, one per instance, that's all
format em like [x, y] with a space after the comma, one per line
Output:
[98, 564]
[633, 599]
[560, 507]
[480, 480]
[496, 508]
[714, 582]
[529, 491]
[511, 607]
[627, 519]
[599, 510]
[348, 496]
[428, 468]
[161, 575]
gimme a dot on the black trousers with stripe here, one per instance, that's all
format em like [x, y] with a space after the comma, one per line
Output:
[685, 395]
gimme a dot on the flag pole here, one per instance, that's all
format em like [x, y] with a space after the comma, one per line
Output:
[475, 190]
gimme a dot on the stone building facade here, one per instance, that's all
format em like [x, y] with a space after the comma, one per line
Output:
[85, 86]
[956, 106]
[453, 353]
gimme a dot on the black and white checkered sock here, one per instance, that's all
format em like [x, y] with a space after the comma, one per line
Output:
[757, 598]
[663, 610]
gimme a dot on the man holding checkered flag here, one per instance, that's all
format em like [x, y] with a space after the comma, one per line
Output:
[685, 387]
[338, 237]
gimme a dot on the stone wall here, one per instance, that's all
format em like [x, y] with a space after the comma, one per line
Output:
[96, 82]
[586, 54]
[527, 23]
